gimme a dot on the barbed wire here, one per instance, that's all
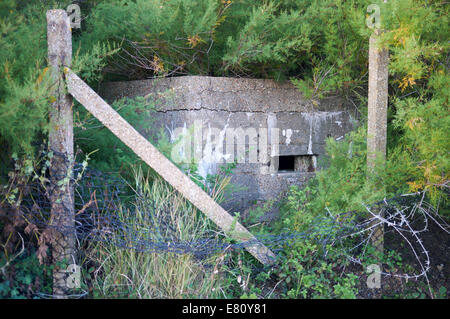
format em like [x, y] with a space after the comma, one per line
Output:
[99, 198]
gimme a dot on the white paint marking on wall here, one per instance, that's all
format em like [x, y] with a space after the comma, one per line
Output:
[213, 151]
[288, 136]
[204, 166]
[171, 130]
[315, 122]
[310, 135]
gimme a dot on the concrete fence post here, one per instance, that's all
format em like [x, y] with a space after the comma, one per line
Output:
[62, 223]
[377, 115]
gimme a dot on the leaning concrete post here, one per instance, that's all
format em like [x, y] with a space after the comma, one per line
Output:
[377, 115]
[165, 168]
[62, 223]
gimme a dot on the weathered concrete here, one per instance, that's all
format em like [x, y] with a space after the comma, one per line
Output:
[377, 101]
[59, 39]
[220, 93]
[377, 116]
[248, 105]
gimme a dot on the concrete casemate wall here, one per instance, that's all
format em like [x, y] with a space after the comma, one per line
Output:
[276, 135]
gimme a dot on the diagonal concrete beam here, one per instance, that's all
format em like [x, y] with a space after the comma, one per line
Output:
[165, 168]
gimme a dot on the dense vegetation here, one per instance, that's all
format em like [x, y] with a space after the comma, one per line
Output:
[319, 45]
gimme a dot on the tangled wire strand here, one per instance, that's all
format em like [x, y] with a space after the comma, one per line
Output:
[98, 199]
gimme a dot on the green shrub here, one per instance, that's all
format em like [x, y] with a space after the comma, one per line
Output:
[22, 276]
[24, 81]
[110, 154]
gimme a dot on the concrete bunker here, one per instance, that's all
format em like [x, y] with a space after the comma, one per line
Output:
[275, 136]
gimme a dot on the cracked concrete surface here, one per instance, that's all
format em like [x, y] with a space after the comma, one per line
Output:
[259, 104]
